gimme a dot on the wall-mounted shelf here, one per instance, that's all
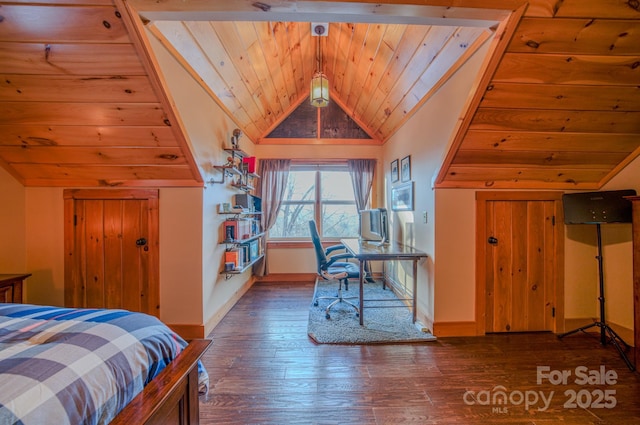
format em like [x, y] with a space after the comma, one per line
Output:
[241, 230]
[254, 257]
[239, 241]
[229, 273]
[240, 178]
[242, 240]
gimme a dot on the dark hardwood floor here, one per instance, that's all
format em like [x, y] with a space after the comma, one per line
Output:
[264, 369]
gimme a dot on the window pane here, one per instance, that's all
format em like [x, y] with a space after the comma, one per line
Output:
[335, 207]
[339, 221]
[301, 186]
[336, 186]
[292, 221]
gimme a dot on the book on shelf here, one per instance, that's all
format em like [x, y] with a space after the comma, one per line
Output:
[235, 230]
[254, 249]
[250, 162]
[245, 252]
[232, 256]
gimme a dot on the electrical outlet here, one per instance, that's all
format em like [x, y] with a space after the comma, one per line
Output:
[424, 217]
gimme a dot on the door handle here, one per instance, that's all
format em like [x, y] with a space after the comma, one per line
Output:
[492, 240]
[141, 242]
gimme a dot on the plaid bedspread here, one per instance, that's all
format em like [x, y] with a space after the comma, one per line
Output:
[77, 366]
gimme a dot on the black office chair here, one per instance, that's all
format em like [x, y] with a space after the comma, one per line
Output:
[329, 268]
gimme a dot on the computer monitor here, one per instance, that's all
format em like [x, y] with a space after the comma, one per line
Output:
[248, 202]
[374, 226]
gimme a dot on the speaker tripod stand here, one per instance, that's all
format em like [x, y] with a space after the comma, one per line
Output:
[615, 339]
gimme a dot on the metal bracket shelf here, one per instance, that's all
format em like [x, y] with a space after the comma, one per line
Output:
[232, 170]
[239, 241]
[228, 274]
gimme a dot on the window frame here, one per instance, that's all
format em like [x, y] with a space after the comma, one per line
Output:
[318, 167]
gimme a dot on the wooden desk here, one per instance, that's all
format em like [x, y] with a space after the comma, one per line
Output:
[365, 251]
[11, 287]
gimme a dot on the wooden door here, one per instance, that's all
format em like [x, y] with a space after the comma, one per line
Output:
[111, 246]
[521, 250]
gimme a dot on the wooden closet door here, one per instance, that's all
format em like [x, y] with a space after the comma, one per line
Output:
[519, 262]
[520, 288]
[111, 242]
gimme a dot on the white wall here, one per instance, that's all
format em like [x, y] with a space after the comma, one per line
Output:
[455, 245]
[581, 272]
[446, 279]
[13, 252]
[45, 245]
[209, 131]
[581, 264]
[181, 256]
[617, 255]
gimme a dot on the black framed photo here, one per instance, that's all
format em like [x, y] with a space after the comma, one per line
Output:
[402, 197]
[405, 168]
[395, 176]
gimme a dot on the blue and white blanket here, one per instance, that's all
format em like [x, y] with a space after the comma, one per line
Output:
[78, 366]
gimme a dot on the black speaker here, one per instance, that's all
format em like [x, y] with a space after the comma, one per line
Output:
[598, 207]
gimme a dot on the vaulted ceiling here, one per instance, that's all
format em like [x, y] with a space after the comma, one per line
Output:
[557, 106]
[378, 73]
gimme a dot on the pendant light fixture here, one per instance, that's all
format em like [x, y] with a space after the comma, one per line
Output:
[319, 96]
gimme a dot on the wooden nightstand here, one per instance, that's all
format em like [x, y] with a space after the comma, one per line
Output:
[11, 287]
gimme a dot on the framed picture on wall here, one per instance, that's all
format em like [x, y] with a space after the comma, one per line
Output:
[405, 168]
[395, 176]
[402, 197]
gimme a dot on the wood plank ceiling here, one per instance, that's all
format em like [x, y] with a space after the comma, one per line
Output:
[81, 104]
[562, 109]
[78, 107]
[378, 73]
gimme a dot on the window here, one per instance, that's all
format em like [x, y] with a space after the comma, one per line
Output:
[323, 193]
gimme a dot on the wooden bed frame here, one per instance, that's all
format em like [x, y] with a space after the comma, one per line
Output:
[172, 397]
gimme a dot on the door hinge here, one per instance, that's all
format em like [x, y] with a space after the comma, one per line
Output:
[553, 312]
[553, 220]
[75, 220]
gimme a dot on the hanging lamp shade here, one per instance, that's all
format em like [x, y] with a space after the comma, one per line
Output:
[319, 96]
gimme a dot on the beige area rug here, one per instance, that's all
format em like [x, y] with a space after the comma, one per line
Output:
[381, 325]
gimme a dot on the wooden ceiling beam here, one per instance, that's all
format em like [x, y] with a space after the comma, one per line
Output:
[455, 13]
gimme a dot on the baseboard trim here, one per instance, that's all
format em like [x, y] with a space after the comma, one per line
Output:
[287, 277]
[442, 329]
[623, 332]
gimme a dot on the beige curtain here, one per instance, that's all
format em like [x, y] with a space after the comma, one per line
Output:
[274, 174]
[362, 172]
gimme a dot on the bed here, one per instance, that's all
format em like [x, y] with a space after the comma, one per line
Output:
[96, 366]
